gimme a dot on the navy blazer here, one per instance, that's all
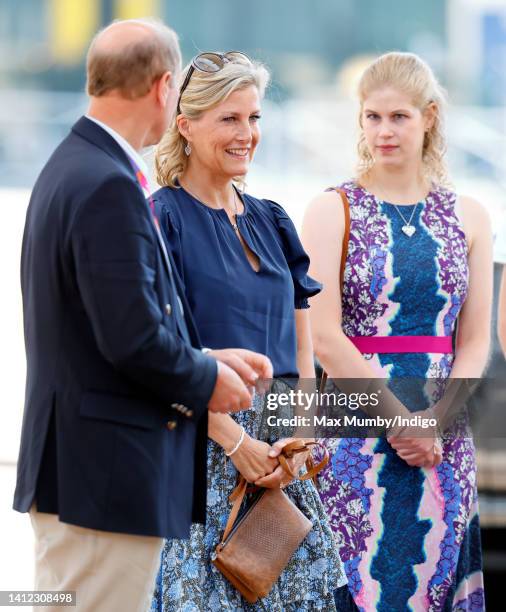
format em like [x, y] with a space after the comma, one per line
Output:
[115, 423]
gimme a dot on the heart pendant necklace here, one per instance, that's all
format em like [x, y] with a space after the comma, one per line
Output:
[407, 228]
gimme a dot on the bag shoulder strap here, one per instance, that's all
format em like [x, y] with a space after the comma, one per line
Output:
[344, 255]
[236, 497]
[346, 234]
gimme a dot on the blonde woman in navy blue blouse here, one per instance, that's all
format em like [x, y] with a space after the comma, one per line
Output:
[244, 273]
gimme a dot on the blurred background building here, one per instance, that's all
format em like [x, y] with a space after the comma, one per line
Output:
[316, 51]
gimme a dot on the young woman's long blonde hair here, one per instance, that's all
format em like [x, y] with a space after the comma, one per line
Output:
[205, 90]
[410, 74]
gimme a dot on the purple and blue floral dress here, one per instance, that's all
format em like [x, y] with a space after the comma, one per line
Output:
[409, 537]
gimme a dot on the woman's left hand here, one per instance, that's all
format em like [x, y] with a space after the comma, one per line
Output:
[279, 478]
[418, 452]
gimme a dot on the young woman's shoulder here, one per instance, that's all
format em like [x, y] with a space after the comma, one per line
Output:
[475, 218]
[325, 211]
[472, 208]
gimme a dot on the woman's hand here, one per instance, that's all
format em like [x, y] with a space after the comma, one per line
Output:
[279, 478]
[418, 452]
[253, 460]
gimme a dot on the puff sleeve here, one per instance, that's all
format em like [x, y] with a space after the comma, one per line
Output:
[296, 258]
[170, 230]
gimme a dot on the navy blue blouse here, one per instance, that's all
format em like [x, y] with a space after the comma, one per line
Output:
[232, 305]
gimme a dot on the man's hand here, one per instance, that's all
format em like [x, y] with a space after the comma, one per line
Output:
[230, 394]
[249, 365]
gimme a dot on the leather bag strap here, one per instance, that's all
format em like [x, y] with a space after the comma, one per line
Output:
[299, 446]
[288, 451]
[344, 255]
[346, 235]
[236, 497]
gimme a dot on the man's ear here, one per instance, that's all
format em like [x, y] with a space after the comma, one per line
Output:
[162, 86]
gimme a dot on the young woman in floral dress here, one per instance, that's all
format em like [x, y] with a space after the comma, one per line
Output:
[418, 261]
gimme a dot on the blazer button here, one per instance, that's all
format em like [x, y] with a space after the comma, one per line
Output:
[168, 309]
[171, 425]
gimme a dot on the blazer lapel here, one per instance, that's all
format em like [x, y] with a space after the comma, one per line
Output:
[180, 320]
[92, 132]
[192, 329]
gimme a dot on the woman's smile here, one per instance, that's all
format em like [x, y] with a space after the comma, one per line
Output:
[242, 153]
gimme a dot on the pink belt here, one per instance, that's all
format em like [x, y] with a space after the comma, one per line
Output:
[403, 344]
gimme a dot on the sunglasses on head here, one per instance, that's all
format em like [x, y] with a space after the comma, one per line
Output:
[210, 61]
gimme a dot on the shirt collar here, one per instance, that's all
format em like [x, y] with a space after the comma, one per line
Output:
[124, 144]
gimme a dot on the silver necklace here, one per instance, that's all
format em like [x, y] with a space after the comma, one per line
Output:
[234, 225]
[407, 228]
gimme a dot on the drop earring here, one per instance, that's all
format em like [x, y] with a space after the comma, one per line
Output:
[188, 149]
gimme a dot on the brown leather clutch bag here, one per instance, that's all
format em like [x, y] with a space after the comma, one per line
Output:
[257, 546]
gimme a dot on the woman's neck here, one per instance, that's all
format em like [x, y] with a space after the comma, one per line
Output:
[396, 187]
[214, 191]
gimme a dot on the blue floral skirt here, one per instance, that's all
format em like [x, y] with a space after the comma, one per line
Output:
[189, 582]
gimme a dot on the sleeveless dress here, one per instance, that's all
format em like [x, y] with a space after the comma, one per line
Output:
[409, 537]
[233, 305]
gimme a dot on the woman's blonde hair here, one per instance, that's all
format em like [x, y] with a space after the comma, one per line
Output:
[410, 74]
[204, 91]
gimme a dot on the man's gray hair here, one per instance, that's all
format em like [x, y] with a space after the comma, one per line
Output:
[132, 69]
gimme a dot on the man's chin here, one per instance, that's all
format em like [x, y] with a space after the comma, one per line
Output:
[153, 139]
[156, 134]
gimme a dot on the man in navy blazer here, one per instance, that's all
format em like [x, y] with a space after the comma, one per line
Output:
[113, 446]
